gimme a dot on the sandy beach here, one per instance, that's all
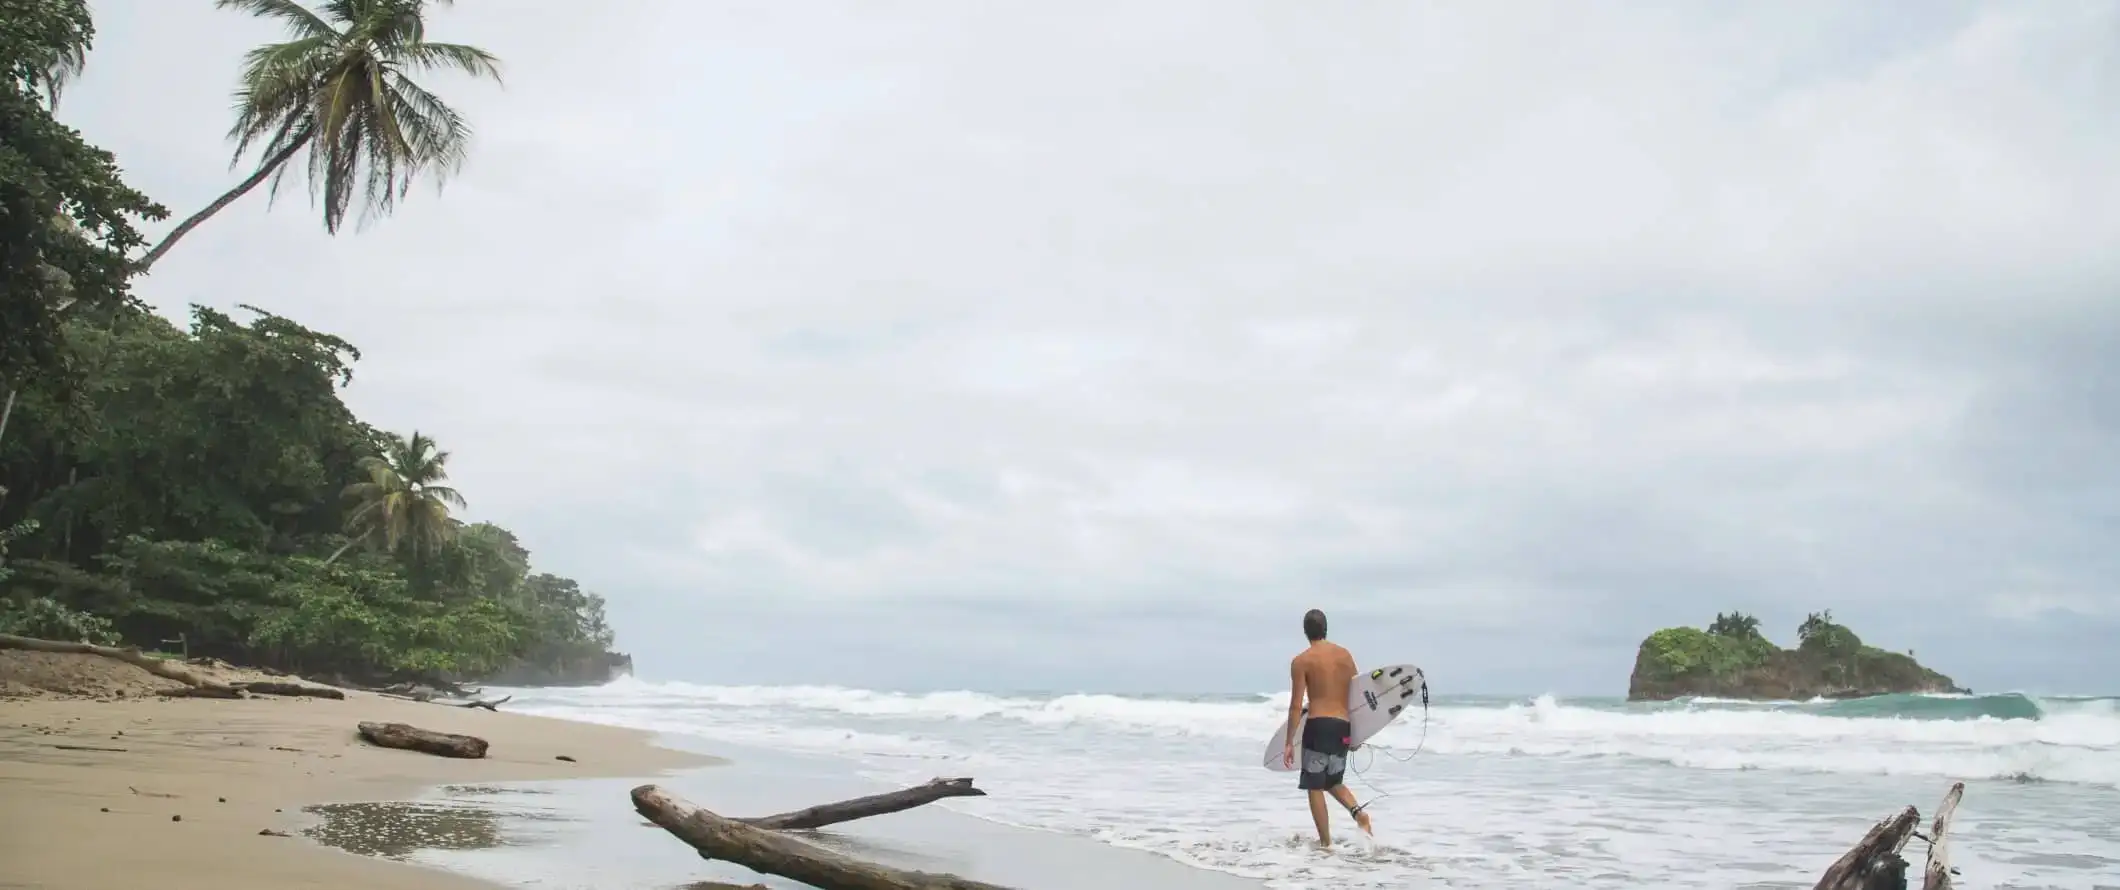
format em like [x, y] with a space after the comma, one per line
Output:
[181, 799]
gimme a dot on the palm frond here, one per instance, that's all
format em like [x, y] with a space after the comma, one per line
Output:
[299, 20]
[447, 56]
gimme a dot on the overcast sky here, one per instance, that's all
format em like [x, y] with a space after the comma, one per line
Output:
[1085, 345]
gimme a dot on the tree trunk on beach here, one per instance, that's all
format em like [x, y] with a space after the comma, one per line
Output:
[407, 737]
[1937, 876]
[160, 667]
[277, 687]
[864, 807]
[264, 172]
[1875, 862]
[770, 852]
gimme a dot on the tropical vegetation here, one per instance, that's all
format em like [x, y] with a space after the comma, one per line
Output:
[203, 487]
[341, 89]
[1731, 658]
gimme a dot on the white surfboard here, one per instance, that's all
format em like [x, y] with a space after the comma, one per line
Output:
[1374, 700]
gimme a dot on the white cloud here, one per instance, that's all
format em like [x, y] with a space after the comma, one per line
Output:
[1568, 318]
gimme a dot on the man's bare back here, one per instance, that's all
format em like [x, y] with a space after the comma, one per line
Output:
[1326, 669]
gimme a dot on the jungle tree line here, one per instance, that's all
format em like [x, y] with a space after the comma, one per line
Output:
[205, 483]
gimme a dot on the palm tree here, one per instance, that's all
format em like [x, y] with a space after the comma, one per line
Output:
[402, 501]
[341, 88]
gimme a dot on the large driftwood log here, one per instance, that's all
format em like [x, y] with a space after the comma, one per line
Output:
[160, 667]
[773, 853]
[864, 807]
[1937, 876]
[412, 738]
[201, 692]
[281, 687]
[1876, 864]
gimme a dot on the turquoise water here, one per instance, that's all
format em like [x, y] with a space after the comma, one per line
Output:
[1486, 791]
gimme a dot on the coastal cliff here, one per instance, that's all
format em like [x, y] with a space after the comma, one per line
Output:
[1731, 659]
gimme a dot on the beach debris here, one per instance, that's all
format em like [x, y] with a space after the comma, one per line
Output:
[164, 668]
[1875, 862]
[175, 818]
[90, 748]
[863, 807]
[267, 832]
[150, 793]
[494, 705]
[405, 736]
[215, 691]
[291, 690]
[776, 853]
[565, 758]
[719, 885]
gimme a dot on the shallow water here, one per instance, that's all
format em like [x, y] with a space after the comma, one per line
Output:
[1487, 792]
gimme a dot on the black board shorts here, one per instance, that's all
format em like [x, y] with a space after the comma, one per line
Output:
[1324, 754]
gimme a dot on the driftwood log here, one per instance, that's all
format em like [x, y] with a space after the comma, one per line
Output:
[216, 691]
[494, 705]
[280, 687]
[864, 807]
[774, 853]
[160, 667]
[1937, 875]
[407, 737]
[1875, 863]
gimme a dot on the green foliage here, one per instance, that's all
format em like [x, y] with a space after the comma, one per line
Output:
[1734, 624]
[1676, 652]
[341, 89]
[65, 214]
[1732, 658]
[201, 487]
[205, 482]
[42, 616]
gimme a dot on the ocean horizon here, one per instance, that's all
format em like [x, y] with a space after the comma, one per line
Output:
[1488, 791]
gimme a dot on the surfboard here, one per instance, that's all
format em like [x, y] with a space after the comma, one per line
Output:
[1374, 698]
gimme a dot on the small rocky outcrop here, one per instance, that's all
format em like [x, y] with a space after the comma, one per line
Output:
[1731, 659]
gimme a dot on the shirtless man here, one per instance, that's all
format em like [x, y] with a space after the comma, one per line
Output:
[1322, 671]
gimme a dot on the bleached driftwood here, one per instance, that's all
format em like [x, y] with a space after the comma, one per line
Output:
[863, 807]
[1937, 875]
[1875, 862]
[775, 853]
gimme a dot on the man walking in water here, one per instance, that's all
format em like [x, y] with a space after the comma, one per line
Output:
[1323, 671]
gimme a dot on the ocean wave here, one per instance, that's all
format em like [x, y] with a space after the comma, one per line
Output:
[2005, 735]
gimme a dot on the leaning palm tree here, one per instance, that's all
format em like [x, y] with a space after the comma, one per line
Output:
[402, 501]
[342, 89]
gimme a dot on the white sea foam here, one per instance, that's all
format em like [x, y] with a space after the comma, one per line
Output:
[1503, 793]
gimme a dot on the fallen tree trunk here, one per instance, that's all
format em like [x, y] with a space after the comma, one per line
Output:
[1937, 875]
[494, 705]
[201, 692]
[773, 853]
[164, 668]
[407, 737]
[1875, 863]
[864, 807]
[279, 687]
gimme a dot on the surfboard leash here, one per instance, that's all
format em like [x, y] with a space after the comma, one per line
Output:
[1418, 746]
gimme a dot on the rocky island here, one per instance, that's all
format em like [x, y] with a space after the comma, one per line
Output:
[1731, 659]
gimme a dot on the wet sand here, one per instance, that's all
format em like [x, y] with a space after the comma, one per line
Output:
[584, 835]
[181, 801]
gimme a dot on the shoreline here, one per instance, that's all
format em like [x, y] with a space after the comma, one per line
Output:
[184, 789]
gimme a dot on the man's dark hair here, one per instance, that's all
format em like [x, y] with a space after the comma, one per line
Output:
[1314, 625]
